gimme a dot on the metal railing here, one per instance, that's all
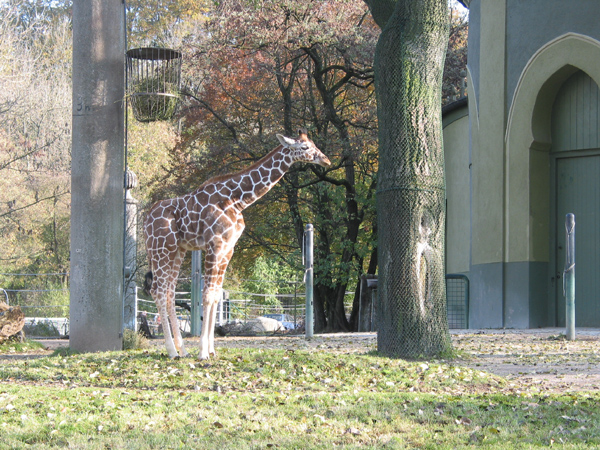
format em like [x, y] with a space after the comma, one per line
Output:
[457, 300]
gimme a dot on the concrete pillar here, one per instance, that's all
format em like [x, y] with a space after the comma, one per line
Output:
[488, 174]
[130, 297]
[96, 315]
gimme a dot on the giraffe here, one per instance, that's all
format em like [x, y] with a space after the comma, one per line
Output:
[210, 219]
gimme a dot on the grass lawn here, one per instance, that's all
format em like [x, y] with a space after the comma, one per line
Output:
[286, 398]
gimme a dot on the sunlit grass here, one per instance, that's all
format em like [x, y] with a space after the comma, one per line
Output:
[16, 346]
[290, 399]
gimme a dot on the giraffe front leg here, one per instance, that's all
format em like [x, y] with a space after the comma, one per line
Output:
[164, 318]
[218, 255]
[209, 307]
[174, 323]
[212, 323]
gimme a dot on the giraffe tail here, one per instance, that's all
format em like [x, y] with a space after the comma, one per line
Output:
[147, 283]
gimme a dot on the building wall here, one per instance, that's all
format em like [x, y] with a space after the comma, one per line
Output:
[456, 156]
[487, 111]
[531, 24]
[520, 54]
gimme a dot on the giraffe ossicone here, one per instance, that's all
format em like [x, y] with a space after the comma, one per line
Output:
[210, 219]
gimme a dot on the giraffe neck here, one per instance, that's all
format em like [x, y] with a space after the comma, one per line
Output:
[246, 187]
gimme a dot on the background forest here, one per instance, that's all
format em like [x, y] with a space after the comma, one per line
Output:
[250, 70]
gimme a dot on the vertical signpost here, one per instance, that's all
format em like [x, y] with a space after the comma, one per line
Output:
[308, 279]
[196, 295]
[569, 276]
[97, 168]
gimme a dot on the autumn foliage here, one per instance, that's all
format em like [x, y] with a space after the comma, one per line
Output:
[254, 70]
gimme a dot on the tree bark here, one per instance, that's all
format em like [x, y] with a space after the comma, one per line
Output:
[409, 62]
[12, 321]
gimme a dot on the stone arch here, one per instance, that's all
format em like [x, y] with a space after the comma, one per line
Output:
[528, 141]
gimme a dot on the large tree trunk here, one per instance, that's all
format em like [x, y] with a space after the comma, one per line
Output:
[411, 191]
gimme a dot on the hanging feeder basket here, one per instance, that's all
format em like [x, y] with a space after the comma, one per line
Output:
[153, 78]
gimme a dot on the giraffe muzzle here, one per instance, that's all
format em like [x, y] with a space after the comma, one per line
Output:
[322, 160]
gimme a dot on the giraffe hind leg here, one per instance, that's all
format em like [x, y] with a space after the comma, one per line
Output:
[173, 273]
[160, 291]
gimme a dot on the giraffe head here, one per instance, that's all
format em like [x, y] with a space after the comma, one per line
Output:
[303, 149]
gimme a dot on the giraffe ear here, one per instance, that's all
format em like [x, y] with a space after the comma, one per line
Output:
[285, 141]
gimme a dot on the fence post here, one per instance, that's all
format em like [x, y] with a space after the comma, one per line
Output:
[308, 279]
[196, 294]
[295, 305]
[569, 276]
[221, 307]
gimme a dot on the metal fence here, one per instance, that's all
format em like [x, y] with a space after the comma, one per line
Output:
[43, 298]
[457, 301]
[285, 302]
[285, 299]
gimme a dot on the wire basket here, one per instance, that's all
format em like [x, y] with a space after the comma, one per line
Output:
[153, 81]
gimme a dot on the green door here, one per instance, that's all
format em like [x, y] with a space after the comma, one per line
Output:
[578, 192]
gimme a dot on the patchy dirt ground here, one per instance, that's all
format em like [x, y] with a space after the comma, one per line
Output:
[539, 359]
[529, 359]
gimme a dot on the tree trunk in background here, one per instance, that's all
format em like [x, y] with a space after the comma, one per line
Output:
[410, 188]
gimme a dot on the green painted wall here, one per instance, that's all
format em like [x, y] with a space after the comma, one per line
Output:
[516, 69]
[458, 217]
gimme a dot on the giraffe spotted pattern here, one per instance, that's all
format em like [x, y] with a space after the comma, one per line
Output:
[210, 219]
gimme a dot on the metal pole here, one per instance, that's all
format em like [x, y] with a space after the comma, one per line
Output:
[308, 279]
[130, 306]
[196, 295]
[220, 308]
[569, 277]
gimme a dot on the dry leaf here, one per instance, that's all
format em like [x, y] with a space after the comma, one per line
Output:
[463, 421]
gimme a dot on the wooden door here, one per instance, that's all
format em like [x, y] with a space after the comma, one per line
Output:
[578, 192]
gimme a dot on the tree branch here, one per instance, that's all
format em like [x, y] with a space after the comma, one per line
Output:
[53, 196]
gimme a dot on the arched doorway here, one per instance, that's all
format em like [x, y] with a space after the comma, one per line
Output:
[575, 188]
[530, 196]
